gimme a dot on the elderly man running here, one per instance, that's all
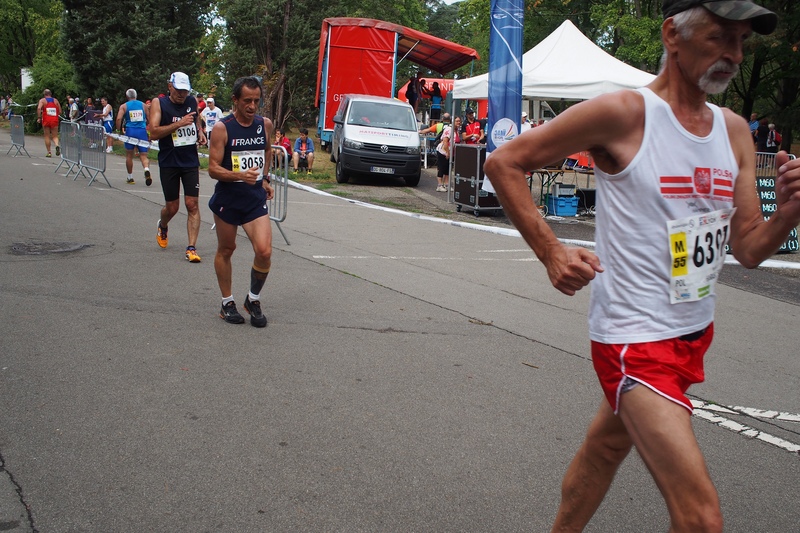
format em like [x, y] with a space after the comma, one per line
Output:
[676, 182]
[132, 119]
[48, 112]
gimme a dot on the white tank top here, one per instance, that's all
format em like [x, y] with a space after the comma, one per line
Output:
[674, 175]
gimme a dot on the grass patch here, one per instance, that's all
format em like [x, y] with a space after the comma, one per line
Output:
[394, 205]
[315, 177]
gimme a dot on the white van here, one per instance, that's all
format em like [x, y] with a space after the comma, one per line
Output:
[538, 111]
[375, 135]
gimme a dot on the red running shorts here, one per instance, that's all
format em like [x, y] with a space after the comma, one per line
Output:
[668, 367]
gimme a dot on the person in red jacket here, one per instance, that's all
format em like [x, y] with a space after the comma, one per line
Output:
[48, 112]
[472, 132]
[281, 140]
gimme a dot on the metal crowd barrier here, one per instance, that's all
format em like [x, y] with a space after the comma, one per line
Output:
[765, 164]
[93, 152]
[70, 136]
[18, 135]
[279, 174]
[279, 178]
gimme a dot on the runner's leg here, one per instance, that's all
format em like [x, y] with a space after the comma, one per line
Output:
[226, 244]
[592, 470]
[193, 221]
[662, 432]
[259, 231]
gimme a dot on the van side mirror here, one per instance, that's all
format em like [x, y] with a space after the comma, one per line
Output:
[338, 119]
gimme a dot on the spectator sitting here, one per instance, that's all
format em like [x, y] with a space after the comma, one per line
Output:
[281, 140]
[303, 150]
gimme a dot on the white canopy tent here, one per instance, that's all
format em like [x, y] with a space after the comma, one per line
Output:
[564, 66]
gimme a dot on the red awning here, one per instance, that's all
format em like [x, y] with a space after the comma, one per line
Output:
[426, 50]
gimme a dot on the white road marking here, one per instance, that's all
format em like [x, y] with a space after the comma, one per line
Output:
[521, 250]
[706, 411]
[771, 263]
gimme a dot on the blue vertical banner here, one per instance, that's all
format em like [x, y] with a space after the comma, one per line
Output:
[505, 74]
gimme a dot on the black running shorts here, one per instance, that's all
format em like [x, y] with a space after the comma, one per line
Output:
[171, 179]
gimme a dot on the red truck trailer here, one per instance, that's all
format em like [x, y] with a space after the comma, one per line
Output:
[360, 56]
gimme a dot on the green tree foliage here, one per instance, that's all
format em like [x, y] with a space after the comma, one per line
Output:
[48, 68]
[769, 78]
[114, 46]
[25, 28]
[138, 43]
[541, 18]
[209, 79]
[630, 31]
[279, 41]
[442, 19]
[261, 37]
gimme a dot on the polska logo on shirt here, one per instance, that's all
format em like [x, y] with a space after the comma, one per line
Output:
[714, 183]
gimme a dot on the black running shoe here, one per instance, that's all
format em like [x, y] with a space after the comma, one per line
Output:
[58, 150]
[147, 179]
[257, 318]
[229, 314]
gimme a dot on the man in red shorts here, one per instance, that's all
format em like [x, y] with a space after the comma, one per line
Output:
[48, 112]
[663, 219]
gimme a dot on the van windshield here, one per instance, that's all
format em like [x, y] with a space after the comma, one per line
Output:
[380, 115]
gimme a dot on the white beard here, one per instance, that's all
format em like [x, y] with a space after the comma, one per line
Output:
[711, 86]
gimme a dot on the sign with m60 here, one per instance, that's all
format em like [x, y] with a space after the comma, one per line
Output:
[765, 185]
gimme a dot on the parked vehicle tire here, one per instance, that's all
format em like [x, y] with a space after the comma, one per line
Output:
[341, 177]
[413, 181]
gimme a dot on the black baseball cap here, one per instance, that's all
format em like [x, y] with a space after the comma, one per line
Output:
[763, 20]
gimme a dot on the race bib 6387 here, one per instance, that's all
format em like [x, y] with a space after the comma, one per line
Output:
[697, 249]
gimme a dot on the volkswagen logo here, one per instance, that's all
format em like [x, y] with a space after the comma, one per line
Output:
[384, 149]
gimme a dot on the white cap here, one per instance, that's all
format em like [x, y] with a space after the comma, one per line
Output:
[180, 81]
[210, 100]
[524, 114]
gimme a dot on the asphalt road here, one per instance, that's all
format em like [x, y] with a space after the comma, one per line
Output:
[415, 376]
